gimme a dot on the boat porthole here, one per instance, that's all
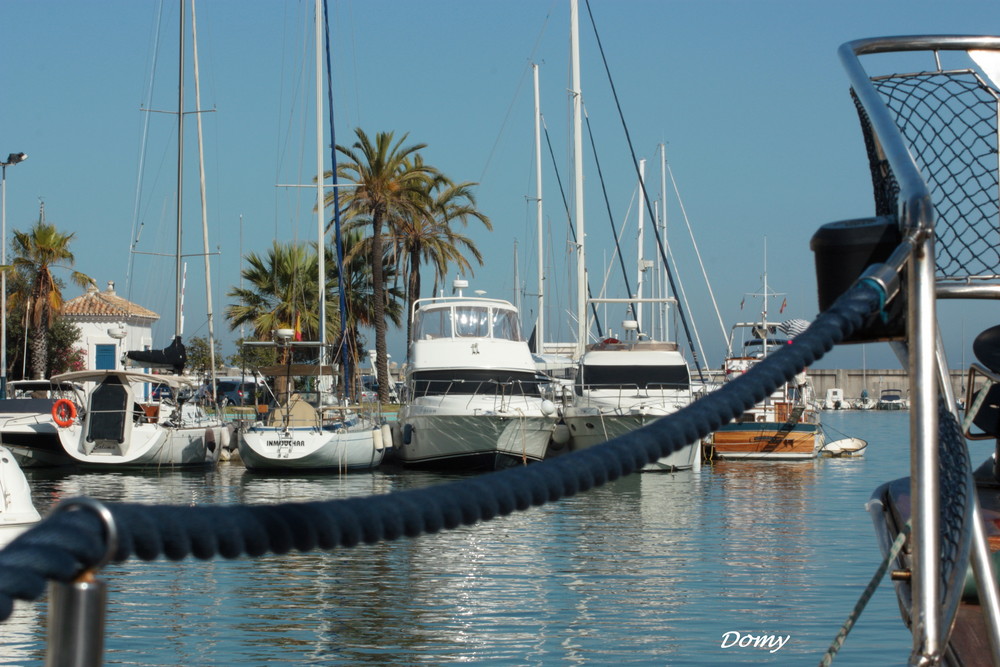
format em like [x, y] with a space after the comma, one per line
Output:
[407, 433]
[589, 425]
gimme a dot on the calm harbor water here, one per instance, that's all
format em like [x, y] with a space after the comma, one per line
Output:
[653, 569]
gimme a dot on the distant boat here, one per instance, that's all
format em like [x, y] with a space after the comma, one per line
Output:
[473, 396]
[835, 399]
[891, 399]
[865, 401]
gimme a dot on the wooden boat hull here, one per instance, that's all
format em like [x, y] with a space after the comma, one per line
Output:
[764, 440]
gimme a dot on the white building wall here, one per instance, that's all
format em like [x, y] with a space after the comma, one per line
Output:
[94, 333]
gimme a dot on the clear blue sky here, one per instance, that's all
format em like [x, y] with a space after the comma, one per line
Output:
[749, 97]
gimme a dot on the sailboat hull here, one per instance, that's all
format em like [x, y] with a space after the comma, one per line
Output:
[309, 448]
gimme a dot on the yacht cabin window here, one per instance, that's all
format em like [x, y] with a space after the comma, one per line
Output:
[468, 321]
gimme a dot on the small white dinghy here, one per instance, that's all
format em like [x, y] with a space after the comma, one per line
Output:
[17, 512]
[844, 448]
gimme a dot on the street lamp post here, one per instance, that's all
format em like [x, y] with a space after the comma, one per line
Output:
[12, 159]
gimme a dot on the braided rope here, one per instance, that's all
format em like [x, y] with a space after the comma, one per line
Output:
[68, 543]
[866, 596]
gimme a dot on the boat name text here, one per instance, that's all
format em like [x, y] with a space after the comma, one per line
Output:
[286, 442]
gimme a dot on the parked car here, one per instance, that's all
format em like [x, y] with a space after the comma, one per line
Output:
[237, 392]
[229, 392]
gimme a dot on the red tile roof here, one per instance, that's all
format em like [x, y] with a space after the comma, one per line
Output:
[105, 304]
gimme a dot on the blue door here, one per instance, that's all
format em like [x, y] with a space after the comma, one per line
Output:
[104, 358]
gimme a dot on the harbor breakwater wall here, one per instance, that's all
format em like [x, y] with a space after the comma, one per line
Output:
[852, 381]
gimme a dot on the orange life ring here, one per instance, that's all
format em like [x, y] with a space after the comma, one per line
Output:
[63, 412]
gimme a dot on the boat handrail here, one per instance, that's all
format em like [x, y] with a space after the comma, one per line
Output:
[901, 190]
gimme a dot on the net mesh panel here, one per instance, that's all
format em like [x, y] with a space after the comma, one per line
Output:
[956, 510]
[949, 122]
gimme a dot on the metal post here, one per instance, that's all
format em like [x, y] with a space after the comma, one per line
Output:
[76, 618]
[13, 158]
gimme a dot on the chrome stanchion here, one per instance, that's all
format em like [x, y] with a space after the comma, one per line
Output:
[76, 609]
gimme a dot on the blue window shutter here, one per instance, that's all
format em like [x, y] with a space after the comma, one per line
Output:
[104, 358]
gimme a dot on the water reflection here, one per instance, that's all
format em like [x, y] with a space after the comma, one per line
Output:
[651, 569]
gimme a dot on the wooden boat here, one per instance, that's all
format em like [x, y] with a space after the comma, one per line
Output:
[932, 239]
[786, 424]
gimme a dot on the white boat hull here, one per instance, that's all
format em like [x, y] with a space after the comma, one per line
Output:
[149, 445]
[433, 437]
[590, 426]
[309, 448]
[17, 512]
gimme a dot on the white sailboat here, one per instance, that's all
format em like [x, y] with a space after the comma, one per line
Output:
[309, 430]
[112, 424]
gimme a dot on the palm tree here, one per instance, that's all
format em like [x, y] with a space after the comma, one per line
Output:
[430, 237]
[282, 284]
[389, 184]
[360, 296]
[36, 254]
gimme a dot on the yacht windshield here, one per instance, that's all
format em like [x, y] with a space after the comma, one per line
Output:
[505, 325]
[474, 321]
[646, 377]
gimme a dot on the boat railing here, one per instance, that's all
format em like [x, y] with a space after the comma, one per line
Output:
[625, 394]
[931, 138]
[504, 394]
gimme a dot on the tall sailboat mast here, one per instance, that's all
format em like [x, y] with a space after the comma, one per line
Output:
[664, 287]
[540, 324]
[178, 273]
[204, 198]
[642, 228]
[581, 268]
[320, 209]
